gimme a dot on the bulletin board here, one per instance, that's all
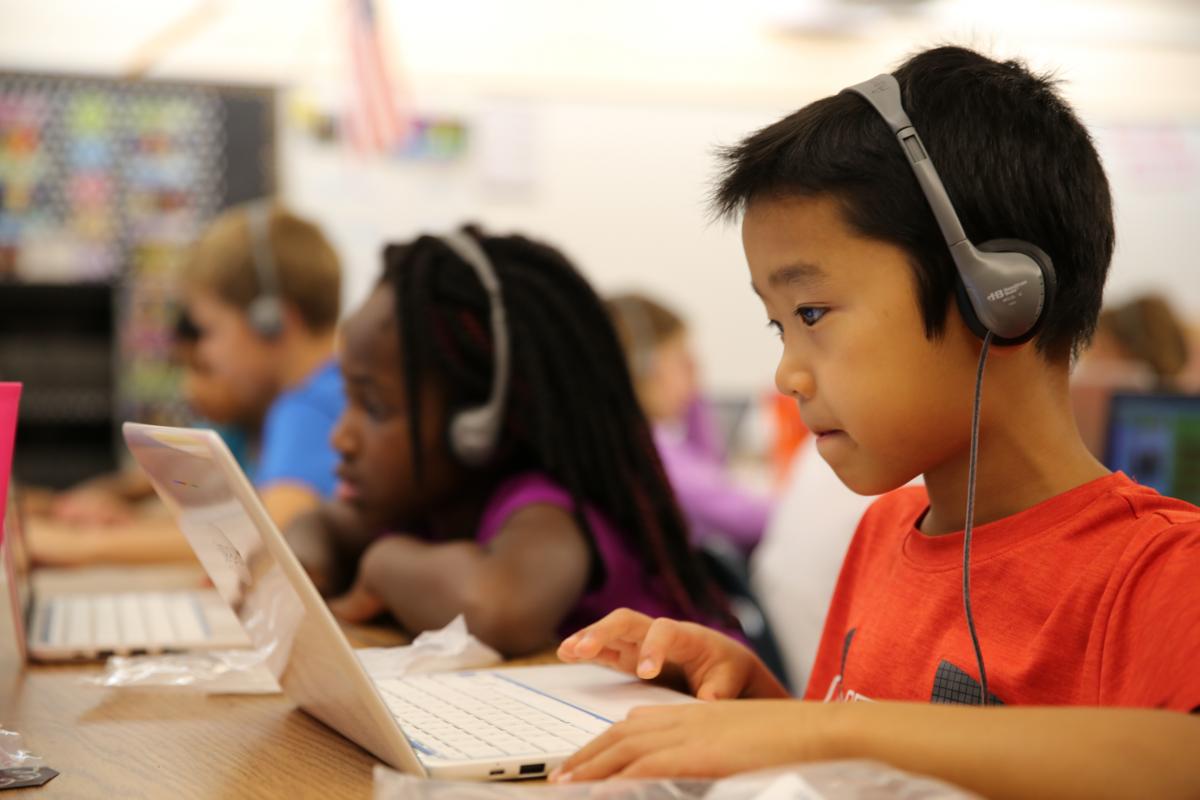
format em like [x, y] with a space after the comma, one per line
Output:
[104, 183]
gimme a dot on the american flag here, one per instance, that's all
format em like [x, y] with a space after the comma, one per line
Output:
[374, 121]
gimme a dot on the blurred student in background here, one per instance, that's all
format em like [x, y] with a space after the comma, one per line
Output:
[1140, 346]
[664, 372]
[261, 294]
[120, 497]
[494, 460]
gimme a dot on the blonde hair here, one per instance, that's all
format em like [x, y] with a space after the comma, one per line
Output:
[307, 276]
[642, 325]
[1148, 331]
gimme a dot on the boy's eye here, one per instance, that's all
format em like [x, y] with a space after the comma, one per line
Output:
[810, 315]
[776, 327]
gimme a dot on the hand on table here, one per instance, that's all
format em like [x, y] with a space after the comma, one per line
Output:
[356, 605]
[57, 544]
[89, 506]
[715, 666]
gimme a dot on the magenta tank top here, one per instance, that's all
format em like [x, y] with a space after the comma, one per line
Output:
[626, 583]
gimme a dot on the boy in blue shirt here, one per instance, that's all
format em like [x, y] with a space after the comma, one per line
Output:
[261, 292]
[262, 288]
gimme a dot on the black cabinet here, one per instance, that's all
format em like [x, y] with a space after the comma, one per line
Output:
[58, 341]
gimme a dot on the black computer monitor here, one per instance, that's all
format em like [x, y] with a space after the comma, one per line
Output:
[1155, 439]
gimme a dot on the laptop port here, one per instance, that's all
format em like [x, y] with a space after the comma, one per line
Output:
[533, 769]
[496, 772]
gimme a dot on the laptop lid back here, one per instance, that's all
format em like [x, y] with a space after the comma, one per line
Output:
[257, 574]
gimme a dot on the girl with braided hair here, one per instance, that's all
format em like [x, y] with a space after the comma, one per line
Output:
[566, 516]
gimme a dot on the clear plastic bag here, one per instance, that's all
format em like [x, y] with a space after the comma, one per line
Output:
[270, 613]
[13, 754]
[256, 670]
[835, 780]
[214, 672]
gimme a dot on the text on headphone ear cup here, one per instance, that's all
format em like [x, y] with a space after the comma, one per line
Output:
[1049, 281]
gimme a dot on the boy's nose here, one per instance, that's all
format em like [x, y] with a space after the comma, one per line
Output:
[794, 380]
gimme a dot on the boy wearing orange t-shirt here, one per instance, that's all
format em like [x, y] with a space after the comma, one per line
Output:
[1084, 586]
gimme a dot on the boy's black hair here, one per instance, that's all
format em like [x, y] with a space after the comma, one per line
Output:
[1014, 158]
[570, 413]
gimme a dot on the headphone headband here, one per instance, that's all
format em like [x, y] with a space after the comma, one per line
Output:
[1005, 283]
[266, 310]
[475, 432]
[883, 93]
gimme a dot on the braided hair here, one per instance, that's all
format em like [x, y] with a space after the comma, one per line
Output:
[570, 413]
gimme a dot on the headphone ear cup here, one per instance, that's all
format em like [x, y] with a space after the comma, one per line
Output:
[1049, 280]
[1039, 259]
[965, 309]
[266, 316]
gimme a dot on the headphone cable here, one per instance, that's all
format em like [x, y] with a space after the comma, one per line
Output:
[966, 573]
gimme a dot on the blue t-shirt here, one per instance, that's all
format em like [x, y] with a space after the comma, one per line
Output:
[240, 444]
[295, 441]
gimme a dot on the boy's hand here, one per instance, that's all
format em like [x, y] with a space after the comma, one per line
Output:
[715, 666]
[702, 740]
[91, 506]
[51, 543]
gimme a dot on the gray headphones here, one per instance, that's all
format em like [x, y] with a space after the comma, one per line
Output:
[475, 432]
[1005, 285]
[265, 312]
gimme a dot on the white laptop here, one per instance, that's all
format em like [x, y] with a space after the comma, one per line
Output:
[487, 724]
[72, 625]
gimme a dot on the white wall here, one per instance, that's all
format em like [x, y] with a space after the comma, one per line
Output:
[621, 103]
[620, 187]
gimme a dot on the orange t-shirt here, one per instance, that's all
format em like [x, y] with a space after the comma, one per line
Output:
[1089, 598]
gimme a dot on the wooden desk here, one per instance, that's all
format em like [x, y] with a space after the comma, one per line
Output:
[142, 743]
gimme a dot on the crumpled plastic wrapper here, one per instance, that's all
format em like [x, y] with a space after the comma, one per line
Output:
[450, 648]
[834, 780]
[256, 670]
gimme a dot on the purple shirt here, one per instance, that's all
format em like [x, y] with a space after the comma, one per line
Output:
[713, 504]
[626, 582]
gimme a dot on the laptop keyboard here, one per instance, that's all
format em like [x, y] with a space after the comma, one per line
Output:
[484, 715]
[131, 620]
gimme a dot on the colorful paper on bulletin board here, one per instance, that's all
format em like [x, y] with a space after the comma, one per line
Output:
[10, 399]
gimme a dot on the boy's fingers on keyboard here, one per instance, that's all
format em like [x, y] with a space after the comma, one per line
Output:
[725, 681]
[664, 638]
[649, 715]
[621, 745]
[590, 750]
[621, 625]
[617, 659]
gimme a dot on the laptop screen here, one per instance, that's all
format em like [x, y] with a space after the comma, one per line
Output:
[1155, 439]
